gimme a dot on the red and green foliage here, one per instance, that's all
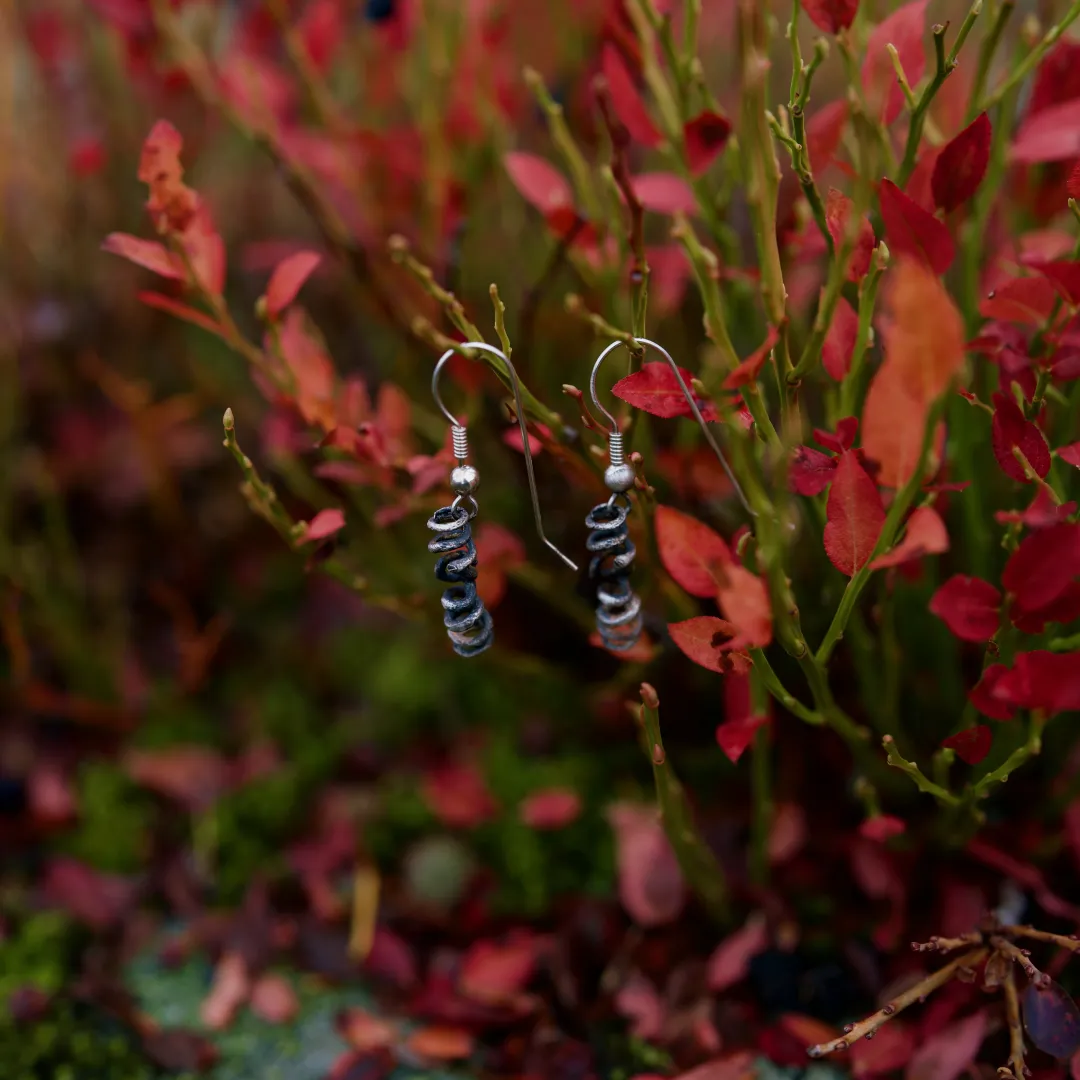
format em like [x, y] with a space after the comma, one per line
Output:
[854, 226]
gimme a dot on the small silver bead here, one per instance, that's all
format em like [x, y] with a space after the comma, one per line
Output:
[619, 477]
[464, 479]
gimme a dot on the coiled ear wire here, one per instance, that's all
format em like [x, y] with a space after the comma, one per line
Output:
[468, 622]
[618, 611]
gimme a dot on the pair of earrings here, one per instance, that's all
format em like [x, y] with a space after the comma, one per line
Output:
[618, 612]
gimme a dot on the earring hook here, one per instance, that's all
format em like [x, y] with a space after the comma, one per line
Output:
[709, 437]
[461, 444]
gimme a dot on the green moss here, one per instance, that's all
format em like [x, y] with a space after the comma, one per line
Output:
[72, 1043]
[39, 953]
[112, 833]
[246, 832]
[403, 818]
[170, 721]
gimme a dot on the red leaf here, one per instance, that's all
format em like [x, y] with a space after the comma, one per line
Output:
[1043, 565]
[854, 514]
[705, 135]
[823, 132]
[538, 182]
[1065, 276]
[735, 736]
[498, 550]
[1073, 185]
[737, 1066]
[844, 437]
[961, 165]
[148, 254]
[891, 1049]
[458, 796]
[1053, 134]
[638, 1001]
[102, 901]
[625, 99]
[288, 278]
[730, 961]
[552, 808]
[1041, 680]
[365, 1032]
[925, 535]
[193, 776]
[831, 15]
[811, 471]
[948, 1054]
[512, 438]
[911, 230]
[181, 311]
[969, 607]
[881, 827]
[904, 30]
[972, 744]
[837, 210]
[1025, 300]
[1043, 511]
[1070, 454]
[651, 885]
[744, 601]
[696, 639]
[839, 344]
[320, 29]
[664, 193]
[493, 972]
[690, 551]
[274, 1000]
[750, 368]
[325, 523]
[1008, 430]
[981, 695]
[656, 390]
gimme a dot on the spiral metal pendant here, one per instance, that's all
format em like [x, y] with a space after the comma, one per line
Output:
[618, 612]
[468, 623]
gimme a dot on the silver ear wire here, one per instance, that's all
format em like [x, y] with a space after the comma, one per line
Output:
[615, 447]
[461, 441]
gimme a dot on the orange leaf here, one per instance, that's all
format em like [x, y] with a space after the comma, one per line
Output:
[893, 421]
[925, 340]
[441, 1043]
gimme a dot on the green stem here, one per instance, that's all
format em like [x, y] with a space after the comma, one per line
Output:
[920, 779]
[986, 56]
[1032, 58]
[775, 687]
[944, 68]
[695, 858]
[849, 389]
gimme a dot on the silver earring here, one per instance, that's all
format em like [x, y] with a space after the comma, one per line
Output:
[618, 612]
[467, 621]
